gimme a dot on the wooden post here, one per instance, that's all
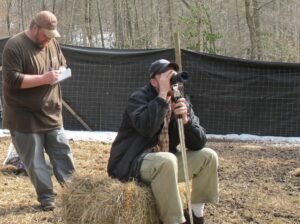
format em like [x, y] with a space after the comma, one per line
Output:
[73, 112]
[177, 50]
[181, 134]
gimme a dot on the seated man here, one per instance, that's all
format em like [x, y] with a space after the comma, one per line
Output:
[146, 147]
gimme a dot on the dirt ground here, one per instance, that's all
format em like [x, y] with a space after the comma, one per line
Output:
[259, 183]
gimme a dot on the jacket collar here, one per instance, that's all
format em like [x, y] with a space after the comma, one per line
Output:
[152, 90]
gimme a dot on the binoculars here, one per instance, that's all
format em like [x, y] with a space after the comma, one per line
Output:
[179, 77]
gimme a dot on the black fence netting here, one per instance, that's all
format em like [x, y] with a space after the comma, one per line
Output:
[239, 96]
[229, 95]
[102, 82]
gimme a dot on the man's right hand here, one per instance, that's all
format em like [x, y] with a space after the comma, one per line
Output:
[30, 81]
[51, 76]
[164, 83]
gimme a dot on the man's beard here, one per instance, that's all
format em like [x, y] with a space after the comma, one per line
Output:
[40, 44]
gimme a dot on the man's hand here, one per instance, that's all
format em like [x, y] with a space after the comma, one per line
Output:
[180, 109]
[30, 81]
[51, 76]
[164, 83]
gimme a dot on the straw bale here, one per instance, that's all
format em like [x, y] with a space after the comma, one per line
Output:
[105, 200]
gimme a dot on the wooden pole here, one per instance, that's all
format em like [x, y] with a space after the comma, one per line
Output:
[181, 132]
[73, 112]
[177, 50]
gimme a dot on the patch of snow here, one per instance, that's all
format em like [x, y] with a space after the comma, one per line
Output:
[108, 137]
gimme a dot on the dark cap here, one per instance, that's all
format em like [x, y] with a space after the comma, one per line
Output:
[48, 22]
[161, 66]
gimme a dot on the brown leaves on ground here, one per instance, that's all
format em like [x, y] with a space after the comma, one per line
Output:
[259, 183]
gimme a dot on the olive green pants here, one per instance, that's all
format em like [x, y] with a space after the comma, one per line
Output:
[163, 170]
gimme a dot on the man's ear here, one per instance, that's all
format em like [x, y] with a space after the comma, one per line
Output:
[35, 27]
[153, 82]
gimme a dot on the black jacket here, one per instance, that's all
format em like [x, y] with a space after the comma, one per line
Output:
[142, 122]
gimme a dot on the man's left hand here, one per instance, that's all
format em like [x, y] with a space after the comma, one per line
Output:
[180, 109]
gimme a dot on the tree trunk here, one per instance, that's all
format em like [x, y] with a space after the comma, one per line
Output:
[8, 7]
[129, 24]
[100, 24]
[281, 15]
[21, 13]
[136, 25]
[256, 22]
[68, 33]
[54, 6]
[88, 20]
[212, 43]
[154, 34]
[251, 27]
[116, 23]
[115, 13]
[276, 20]
[145, 25]
[298, 46]
[238, 21]
[160, 24]
[44, 6]
[170, 23]
[201, 37]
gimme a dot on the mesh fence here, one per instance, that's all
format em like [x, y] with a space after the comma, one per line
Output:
[239, 96]
[229, 95]
[101, 83]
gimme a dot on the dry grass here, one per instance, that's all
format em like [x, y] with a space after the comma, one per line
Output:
[259, 183]
[94, 199]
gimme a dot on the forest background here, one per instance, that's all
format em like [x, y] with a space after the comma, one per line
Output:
[265, 30]
[259, 182]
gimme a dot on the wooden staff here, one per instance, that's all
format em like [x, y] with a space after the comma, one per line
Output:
[177, 95]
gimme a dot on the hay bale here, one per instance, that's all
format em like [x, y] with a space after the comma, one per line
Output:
[105, 200]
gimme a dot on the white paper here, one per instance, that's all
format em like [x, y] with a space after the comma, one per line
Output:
[65, 73]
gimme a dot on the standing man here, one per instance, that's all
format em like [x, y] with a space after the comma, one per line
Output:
[33, 105]
[146, 148]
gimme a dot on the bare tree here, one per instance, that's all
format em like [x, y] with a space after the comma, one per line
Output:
[8, 9]
[117, 25]
[210, 38]
[251, 26]
[198, 29]
[44, 5]
[54, 6]
[69, 22]
[129, 24]
[21, 14]
[238, 21]
[100, 24]
[88, 21]
[266, 29]
[136, 24]
[170, 21]
[256, 21]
